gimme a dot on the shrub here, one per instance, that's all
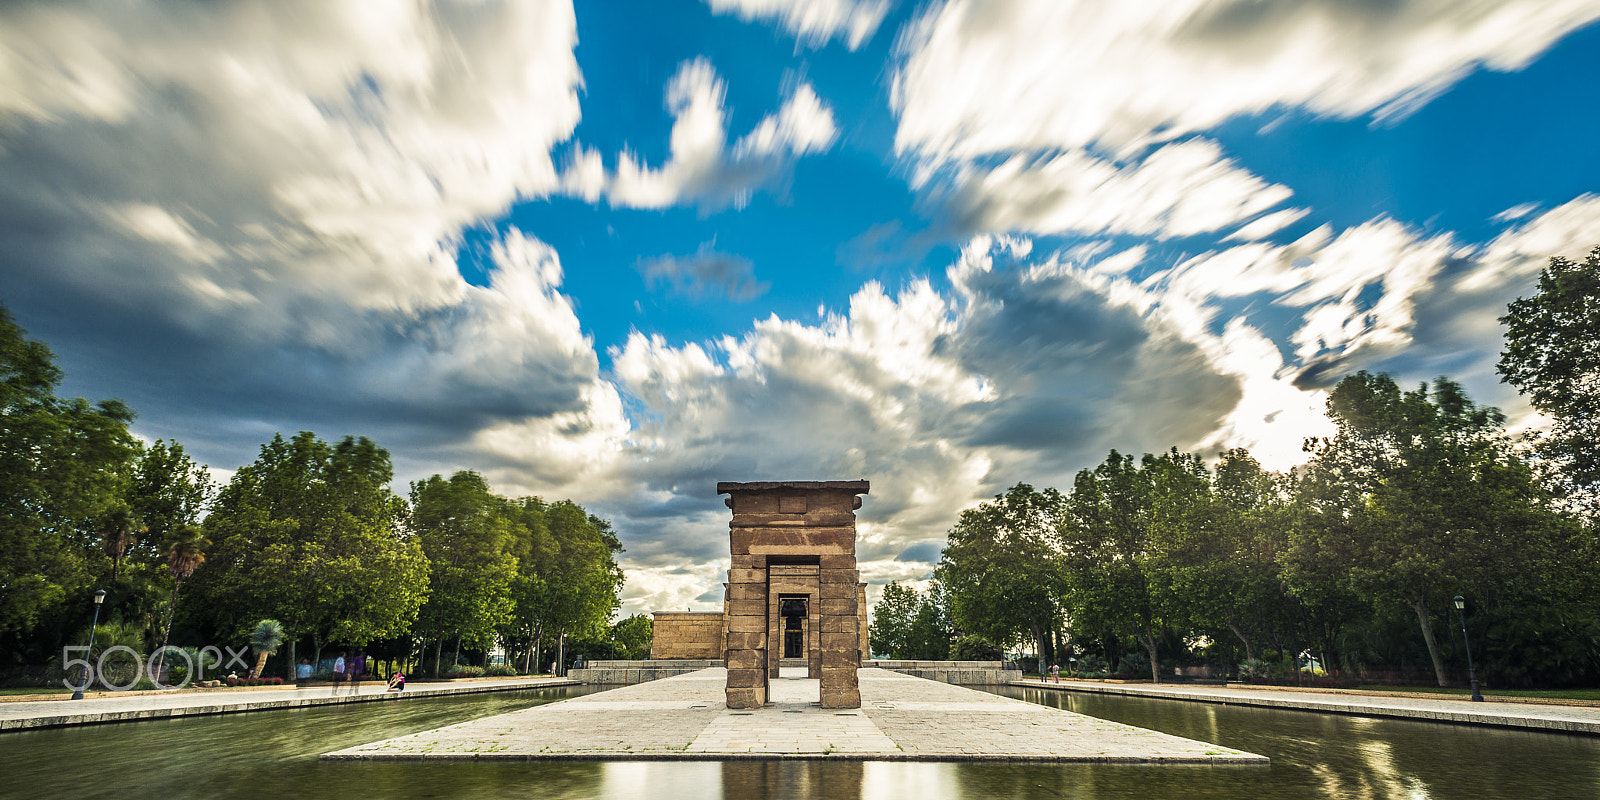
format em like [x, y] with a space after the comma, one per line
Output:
[252, 681]
[463, 671]
[500, 671]
[1134, 664]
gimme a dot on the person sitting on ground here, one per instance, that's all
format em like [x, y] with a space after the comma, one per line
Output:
[397, 682]
[302, 671]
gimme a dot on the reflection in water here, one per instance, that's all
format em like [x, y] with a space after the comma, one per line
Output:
[1313, 756]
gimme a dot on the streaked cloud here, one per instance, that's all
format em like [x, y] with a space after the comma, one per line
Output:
[703, 170]
[979, 78]
[705, 274]
[813, 22]
[1181, 189]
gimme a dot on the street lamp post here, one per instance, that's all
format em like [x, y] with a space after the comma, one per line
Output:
[99, 597]
[1461, 614]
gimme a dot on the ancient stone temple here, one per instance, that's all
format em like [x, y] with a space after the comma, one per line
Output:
[793, 589]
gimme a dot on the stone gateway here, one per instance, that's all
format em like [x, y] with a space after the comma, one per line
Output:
[793, 589]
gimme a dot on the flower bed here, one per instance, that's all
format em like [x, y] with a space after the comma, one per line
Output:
[252, 681]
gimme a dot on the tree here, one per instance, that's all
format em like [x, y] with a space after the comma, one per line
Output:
[167, 490]
[185, 553]
[1001, 569]
[117, 529]
[265, 639]
[63, 463]
[1419, 494]
[892, 619]
[466, 537]
[1553, 355]
[633, 637]
[310, 534]
[1133, 535]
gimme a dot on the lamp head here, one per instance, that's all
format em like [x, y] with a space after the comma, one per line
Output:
[99, 596]
[1461, 603]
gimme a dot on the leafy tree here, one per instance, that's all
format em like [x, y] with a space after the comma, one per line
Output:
[310, 535]
[1134, 539]
[63, 463]
[633, 637]
[265, 640]
[167, 490]
[1553, 355]
[117, 529]
[466, 536]
[892, 618]
[185, 553]
[1419, 494]
[1002, 571]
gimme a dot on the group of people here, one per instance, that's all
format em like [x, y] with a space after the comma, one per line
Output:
[348, 672]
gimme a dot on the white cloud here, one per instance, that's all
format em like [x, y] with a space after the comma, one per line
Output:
[1025, 370]
[264, 199]
[292, 154]
[1030, 75]
[702, 169]
[813, 22]
[1181, 189]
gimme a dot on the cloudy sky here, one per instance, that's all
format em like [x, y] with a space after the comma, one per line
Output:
[620, 250]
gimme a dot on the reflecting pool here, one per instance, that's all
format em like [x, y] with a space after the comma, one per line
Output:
[274, 754]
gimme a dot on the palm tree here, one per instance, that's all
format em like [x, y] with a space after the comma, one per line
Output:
[265, 640]
[185, 554]
[117, 530]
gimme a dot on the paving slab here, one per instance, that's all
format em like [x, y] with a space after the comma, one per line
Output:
[1557, 718]
[902, 718]
[23, 715]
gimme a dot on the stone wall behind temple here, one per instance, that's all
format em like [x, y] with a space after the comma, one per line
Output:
[688, 634]
[703, 634]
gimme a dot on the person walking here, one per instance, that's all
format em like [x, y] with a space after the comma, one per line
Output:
[358, 667]
[338, 672]
[1055, 673]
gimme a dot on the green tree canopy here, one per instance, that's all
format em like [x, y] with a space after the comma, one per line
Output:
[1553, 355]
[63, 466]
[1419, 496]
[1002, 570]
[310, 534]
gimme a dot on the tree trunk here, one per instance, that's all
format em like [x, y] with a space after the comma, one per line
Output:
[294, 663]
[1421, 606]
[527, 658]
[438, 651]
[166, 635]
[1249, 652]
[1150, 644]
[316, 653]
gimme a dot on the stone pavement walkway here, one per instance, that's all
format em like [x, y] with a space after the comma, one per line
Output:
[162, 705]
[1561, 718]
[902, 718]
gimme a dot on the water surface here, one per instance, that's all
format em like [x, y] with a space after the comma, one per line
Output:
[274, 754]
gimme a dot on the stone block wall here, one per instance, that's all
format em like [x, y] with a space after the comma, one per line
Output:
[687, 634]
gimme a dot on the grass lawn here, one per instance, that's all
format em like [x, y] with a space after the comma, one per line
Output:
[1557, 694]
[35, 690]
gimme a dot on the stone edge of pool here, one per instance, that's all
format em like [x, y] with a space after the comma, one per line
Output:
[243, 705]
[1550, 719]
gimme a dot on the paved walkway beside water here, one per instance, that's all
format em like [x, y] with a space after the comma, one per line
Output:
[902, 718]
[163, 705]
[1559, 718]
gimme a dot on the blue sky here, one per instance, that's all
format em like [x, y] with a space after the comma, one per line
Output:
[620, 251]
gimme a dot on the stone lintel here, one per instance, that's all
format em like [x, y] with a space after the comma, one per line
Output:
[730, 487]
